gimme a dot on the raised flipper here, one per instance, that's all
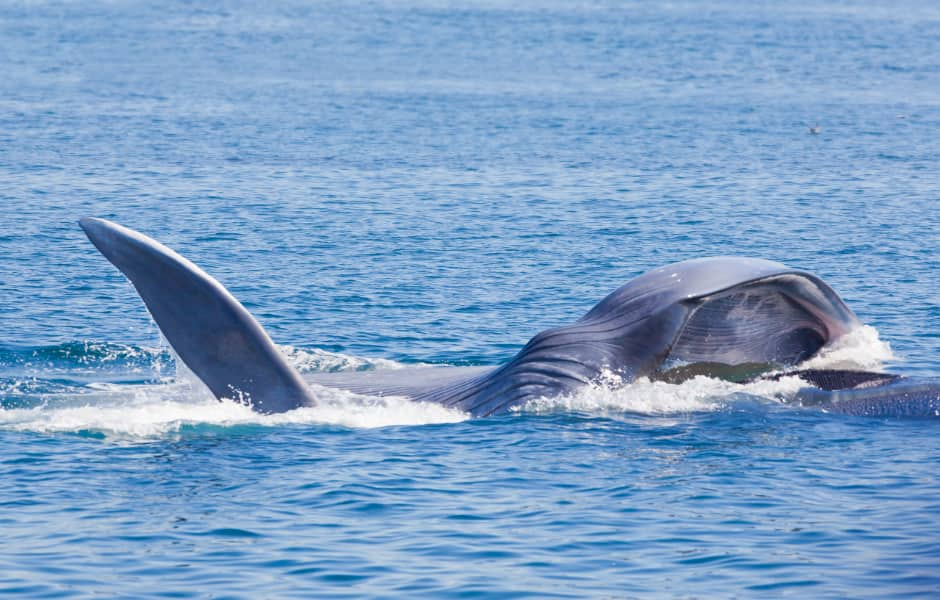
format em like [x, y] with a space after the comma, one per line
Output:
[208, 328]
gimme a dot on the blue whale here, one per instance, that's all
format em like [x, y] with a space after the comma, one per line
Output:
[731, 317]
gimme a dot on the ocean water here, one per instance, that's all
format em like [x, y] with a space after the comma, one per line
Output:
[386, 184]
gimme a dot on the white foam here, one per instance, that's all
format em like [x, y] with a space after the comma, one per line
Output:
[860, 349]
[340, 407]
[658, 398]
[142, 412]
[641, 397]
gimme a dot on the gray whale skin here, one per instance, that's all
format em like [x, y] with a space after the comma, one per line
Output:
[729, 317]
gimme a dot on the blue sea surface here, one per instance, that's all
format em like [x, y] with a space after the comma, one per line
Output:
[385, 184]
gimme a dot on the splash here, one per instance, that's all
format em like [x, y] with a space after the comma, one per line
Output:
[861, 349]
[701, 394]
[643, 396]
[144, 412]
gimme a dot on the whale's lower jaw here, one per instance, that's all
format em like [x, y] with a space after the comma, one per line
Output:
[889, 396]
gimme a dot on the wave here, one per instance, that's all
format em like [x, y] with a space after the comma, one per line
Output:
[85, 360]
[86, 356]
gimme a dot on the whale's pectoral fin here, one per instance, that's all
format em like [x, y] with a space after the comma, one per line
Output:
[208, 328]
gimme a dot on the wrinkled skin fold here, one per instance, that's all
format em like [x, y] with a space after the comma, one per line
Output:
[730, 317]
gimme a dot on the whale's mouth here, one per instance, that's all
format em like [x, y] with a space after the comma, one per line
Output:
[741, 373]
[741, 334]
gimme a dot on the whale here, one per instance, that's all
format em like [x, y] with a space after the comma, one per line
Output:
[736, 318]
